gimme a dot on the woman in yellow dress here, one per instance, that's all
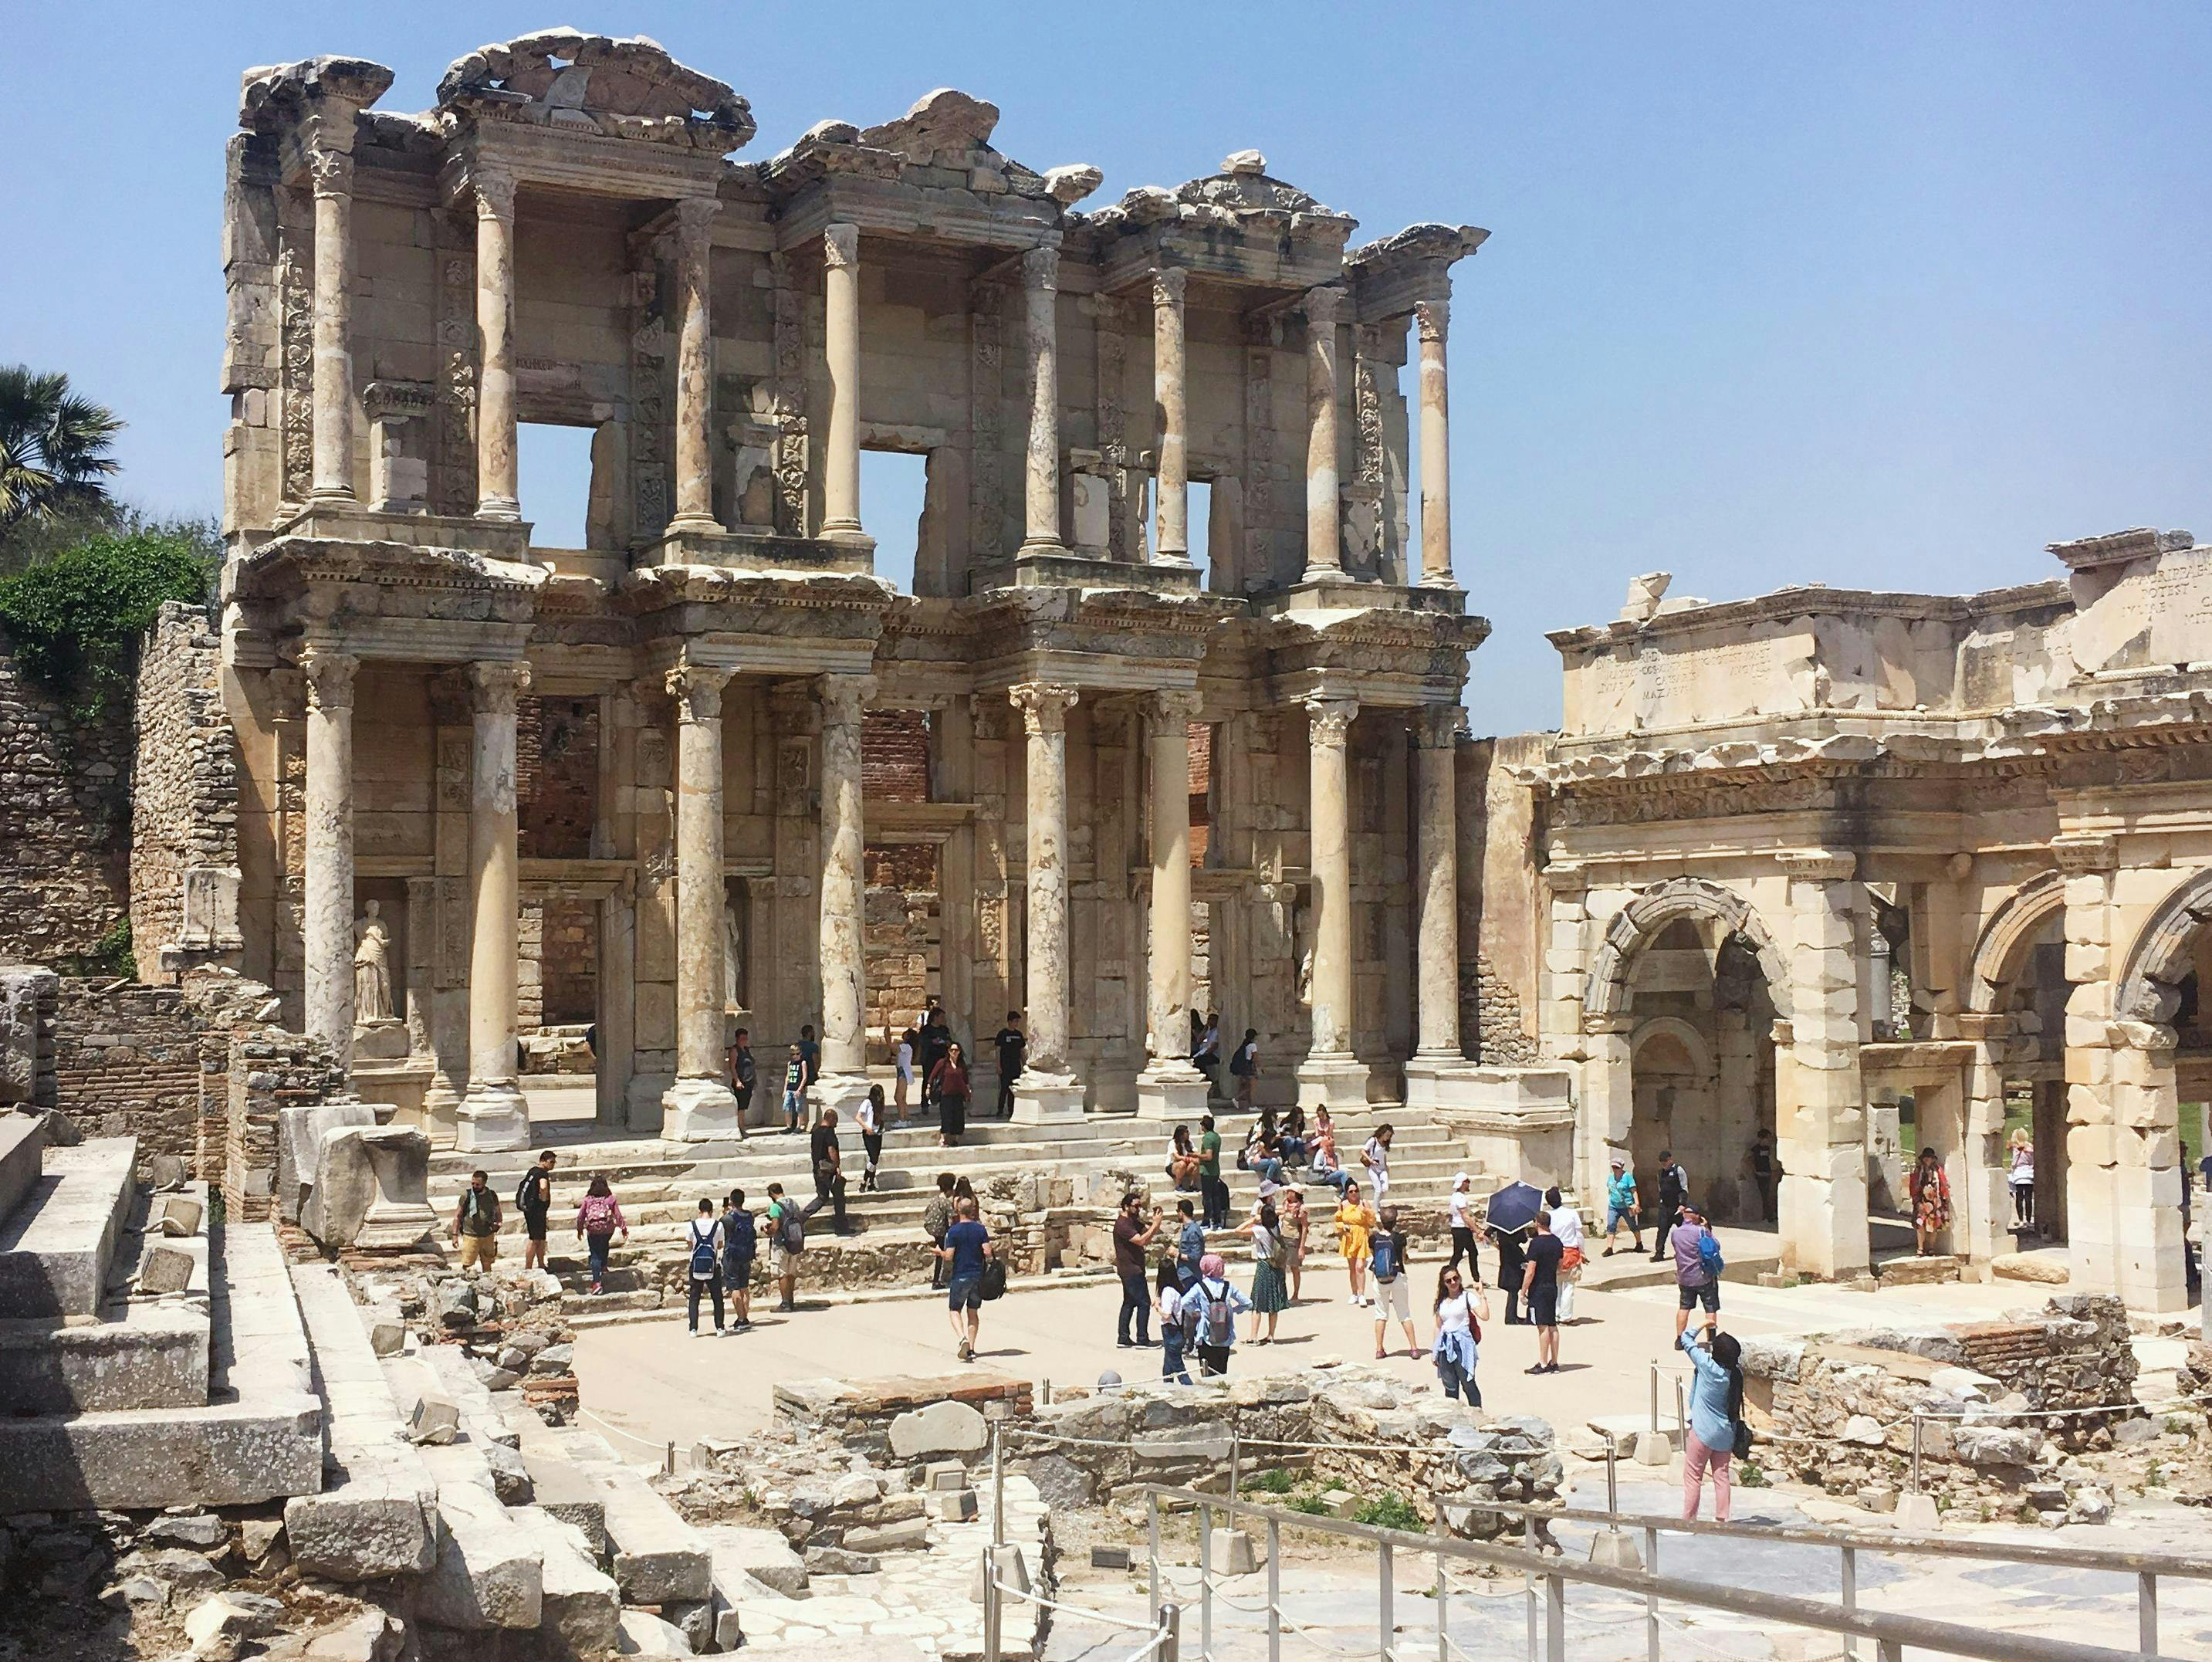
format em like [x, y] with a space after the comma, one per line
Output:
[1353, 1220]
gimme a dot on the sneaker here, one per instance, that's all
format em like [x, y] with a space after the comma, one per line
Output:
[1124, 1344]
[967, 1351]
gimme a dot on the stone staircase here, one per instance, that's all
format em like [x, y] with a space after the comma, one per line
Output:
[145, 1360]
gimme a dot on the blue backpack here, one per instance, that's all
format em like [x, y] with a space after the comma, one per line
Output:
[702, 1252]
[1709, 1256]
[1385, 1265]
[740, 1238]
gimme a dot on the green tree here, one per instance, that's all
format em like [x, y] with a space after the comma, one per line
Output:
[76, 619]
[54, 447]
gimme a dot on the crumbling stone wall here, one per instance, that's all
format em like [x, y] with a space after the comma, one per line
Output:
[28, 997]
[65, 820]
[556, 775]
[128, 1063]
[267, 1070]
[184, 786]
[900, 919]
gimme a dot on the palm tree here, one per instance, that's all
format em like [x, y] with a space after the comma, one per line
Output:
[54, 448]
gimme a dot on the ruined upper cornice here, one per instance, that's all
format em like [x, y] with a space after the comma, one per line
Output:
[1393, 274]
[595, 84]
[1242, 196]
[273, 96]
[2117, 548]
[1803, 600]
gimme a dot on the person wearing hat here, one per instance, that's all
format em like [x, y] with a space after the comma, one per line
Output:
[1698, 1284]
[1461, 1225]
[1620, 1206]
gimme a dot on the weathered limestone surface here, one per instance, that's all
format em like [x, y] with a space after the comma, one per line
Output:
[371, 1188]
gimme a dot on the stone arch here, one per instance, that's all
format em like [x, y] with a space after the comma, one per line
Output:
[1695, 1045]
[1997, 951]
[2150, 988]
[1636, 925]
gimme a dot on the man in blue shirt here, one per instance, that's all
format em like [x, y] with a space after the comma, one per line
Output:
[967, 1247]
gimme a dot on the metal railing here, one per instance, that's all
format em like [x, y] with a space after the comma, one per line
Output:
[1548, 1577]
[1164, 1632]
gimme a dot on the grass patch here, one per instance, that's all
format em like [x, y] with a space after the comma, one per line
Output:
[1389, 1512]
[1276, 1481]
[1312, 1505]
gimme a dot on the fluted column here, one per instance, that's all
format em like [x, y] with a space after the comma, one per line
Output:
[1044, 709]
[844, 983]
[497, 492]
[841, 346]
[1171, 535]
[1437, 847]
[694, 366]
[1432, 317]
[326, 921]
[1324, 542]
[1330, 1071]
[330, 165]
[699, 1104]
[1040, 341]
[492, 1113]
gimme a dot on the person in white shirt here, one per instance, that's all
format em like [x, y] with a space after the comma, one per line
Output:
[870, 1116]
[1376, 1157]
[1167, 1299]
[1566, 1223]
[1460, 1314]
[903, 1060]
[1461, 1224]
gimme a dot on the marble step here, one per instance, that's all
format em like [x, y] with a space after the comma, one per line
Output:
[56, 1247]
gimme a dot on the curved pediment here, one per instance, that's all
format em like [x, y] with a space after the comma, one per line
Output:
[619, 87]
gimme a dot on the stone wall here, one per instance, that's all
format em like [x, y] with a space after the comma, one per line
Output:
[266, 1070]
[556, 775]
[128, 1062]
[184, 795]
[903, 935]
[28, 997]
[65, 820]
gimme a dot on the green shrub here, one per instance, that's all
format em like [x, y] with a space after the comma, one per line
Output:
[1390, 1512]
[1312, 1505]
[110, 955]
[1750, 1475]
[1276, 1481]
[76, 619]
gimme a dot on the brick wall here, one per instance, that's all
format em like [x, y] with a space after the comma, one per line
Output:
[895, 755]
[556, 775]
[65, 820]
[184, 789]
[127, 1060]
[266, 1070]
[900, 937]
[568, 962]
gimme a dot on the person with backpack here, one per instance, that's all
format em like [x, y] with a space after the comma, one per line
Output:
[704, 1238]
[1167, 1300]
[786, 1239]
[1716, 1431]
[1210, 1310]
[1545, 1253]
[794, 1091]
[967, 1249]
[740, 1245]
[476, 1224]
[1244, 1068]
[1697, 1267]
[533, 1199]
[1392, 1285]
[936, 1218]
[1270, 1259]
[1674, 1192]
[599, 1216]
[870, 1116]
[1459, 1316]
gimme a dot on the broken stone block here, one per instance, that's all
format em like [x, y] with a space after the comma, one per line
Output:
[1339, 1502]
[201, 1529]
[259, 1536]
[694, 1619]
[2090, 1505]
[299, 1136]
[909, 1535]
[456, 1302]
[1645, 595]
[433, 1420]
[762, 1554]
[2043, 1267]
[952, 1506]
[489, 1574]
[371, 1188]
[166, 1270]
[180, 1216]
[1109, 1558]
[231, 1616]
[942, 1474]
[1234, 1553]
[646, 1636]
[387, 1332]
[840, 1561]
[165, 1172]
[937, 1429]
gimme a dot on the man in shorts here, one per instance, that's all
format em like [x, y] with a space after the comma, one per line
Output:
[1393, 1297]
[967, 1244]
[533, 1199]
[475, 1223]
[784, 1218]
[1542, 1287]
[1697, 1287]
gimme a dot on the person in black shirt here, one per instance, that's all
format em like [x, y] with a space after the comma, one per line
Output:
[1545, 1250]
[744, 1075]
[1512, 1269]
[1014, 1044]
[533, 1199]
[1672, 1191]
[829, 1178]
[936, 1040]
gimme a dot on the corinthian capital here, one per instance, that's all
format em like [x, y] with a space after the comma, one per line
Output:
[1436, 727]
[844, 697]
[1433, 318]
[1324, 307]
[1174, 708]
[329, 676]
[697, 690]
[332, 171]
[1329, 720]
[494, 191]
[841, 245]
[696, 215]
[1043, 705]
[493, 687]
[1041, 268]
[1169, 284]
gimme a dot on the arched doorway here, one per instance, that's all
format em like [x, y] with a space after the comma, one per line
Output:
[2018, 996]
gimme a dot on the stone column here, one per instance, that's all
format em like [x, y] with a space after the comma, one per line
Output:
[700, 1104]
[1047, 1090]
[1169, 1087]
[1820, 1105]
[330, 165]
[497, 493]
[1171, 537]
[492, 1113]
[841, 346]
[843, 944]
[1324, 543]
[1980, 1193]
[1040, 341]
[1435, 737]
[1430, 319]
[694, 366]
[1331, 1072]
[326, 923]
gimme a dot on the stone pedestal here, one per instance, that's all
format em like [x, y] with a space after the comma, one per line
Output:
[371, 1188]
[1514, 1123]
[380, 1041]
[1170, 1090]
[1339, 1082]
[698, 1110]
[1047, 1099]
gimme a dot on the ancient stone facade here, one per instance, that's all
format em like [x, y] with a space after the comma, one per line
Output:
[564, 240]
[1764, 819]
[183, 800]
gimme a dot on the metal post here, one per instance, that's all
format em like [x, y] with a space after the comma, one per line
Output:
[1555, 1618]
[1651, 1599]
[1170, 1633]
[997, 1485]
[1236, 1461]
[1850, 1599]
[991, 1604]
[1274, 1590]
[1388, 1652]
[1654, 1398]
[1205, 1583]
[2147, 1613]
[1044, 1393]
[1152, 1551]
[1443, 1593]
[1681, 1423]
[1611, 1477]
[1916, 1451]
[668, 1460]
[1528, 1541]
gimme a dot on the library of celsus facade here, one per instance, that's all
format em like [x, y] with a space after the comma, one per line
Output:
[487, 787]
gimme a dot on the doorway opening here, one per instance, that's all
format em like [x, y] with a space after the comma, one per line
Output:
[553, 476]
[894, 495]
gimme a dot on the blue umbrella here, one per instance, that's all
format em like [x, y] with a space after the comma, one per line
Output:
[1514, 1207]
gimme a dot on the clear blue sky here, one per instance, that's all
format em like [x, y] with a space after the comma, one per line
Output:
[1883, 295]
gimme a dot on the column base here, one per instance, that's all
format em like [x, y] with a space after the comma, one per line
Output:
[844, 1092]
[698, 1110]
[702, 522]
[1322, 573]
[1442, 579]
[332, 496]
[1047, 1099]
[1170, 1090]
[1336, 1082]
[1040, 548]
[1442, 1080]
[441, 1112]
[499, 507]
[492, 1117]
